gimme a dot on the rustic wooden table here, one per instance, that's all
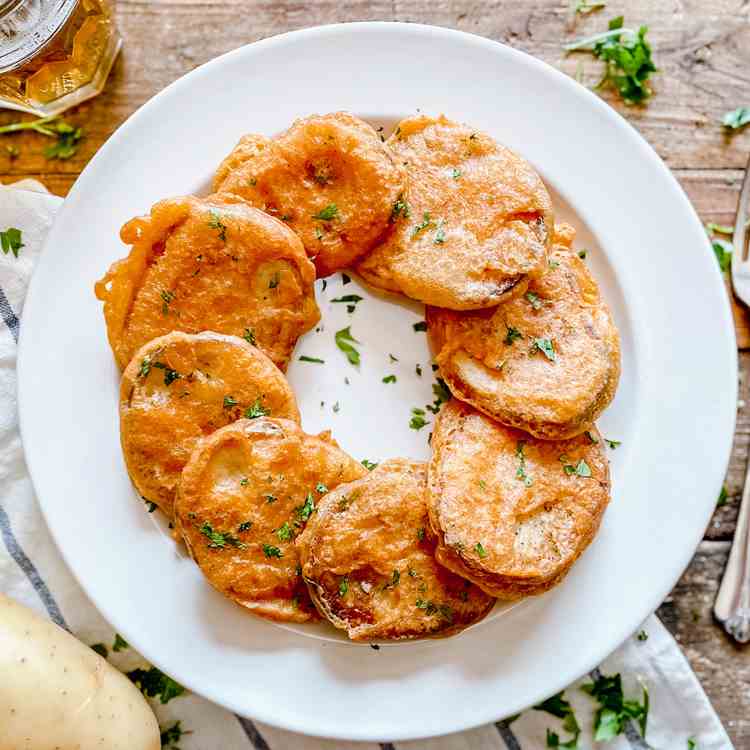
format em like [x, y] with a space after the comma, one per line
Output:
[703, 52]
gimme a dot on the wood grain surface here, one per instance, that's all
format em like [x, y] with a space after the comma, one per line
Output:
[702, 50]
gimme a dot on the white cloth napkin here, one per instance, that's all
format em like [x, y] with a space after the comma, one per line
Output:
[32, 572]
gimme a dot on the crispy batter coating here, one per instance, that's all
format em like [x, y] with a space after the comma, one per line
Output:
[329, 177]
[547, 363]
[211, 263]
[512, 513]
[368, 558]
[475, 226]
[247, 491]
[180, 387]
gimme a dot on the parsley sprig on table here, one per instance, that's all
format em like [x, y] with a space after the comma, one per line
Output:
[614, 710]
[558, 706]
[627, 56]
[67, 135]
[153, 682]
[736, 119]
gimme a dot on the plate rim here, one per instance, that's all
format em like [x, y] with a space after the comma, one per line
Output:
[714, 283]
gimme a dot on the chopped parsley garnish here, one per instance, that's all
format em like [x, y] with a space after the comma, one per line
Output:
[736, 119]
[67, 135]
[417, 421]
[120, 643]
[455, 173]
[395, 578]
[327, 213]
[305, 510]
[100, 649]
[593, 440]
[439, 234]
[392, 358]
[244, 482]
[344, 341]
[480, 550]
[229, 402]
[167, 298]
[345, 279]
[318, 234]
[627, 58]
[723, 252]
[400, 210]
[336, 408]
[150, 506]
[270, 498]
[558, 706]
[256, 410]
[344, 586]
[692, 744]
[218, 539]
[642, 635]
[172, 735]
[534, 300]
[426, 223]
[723, 497]
[612, 443]
[170, 375]
[546, 347]
[389, 379]
[320, 488]
[420, 534]
[482, 484]
[421, 326]
[418, 370]
[581, 469]
[153, 682]
[442, 395]
[314, 360]
[274, 281]
[216, 223]
[513, 334]
[11, 241]
[270, 551]
[582, 254]
[350, 300]
[430, 608]
[284, 532]
[249, 336]
[245, 526]
[521, 470]
[614, 711]
[369, 465]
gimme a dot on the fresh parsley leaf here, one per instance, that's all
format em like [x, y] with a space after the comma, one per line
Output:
[320, 488]
[270, 498]
[442, 395]
[642, 635]
[612, 443]
[153, 682]
[249, 336]
[421, 326]
[417, 421]
[389, 379]
[692, 744]
[256, 410]
[559, 707]
[351, 299]
[270, 551]
[67, 141]
[369, 465]
[284, 532]
[150, 507]
[627, 57]
[11, 241]
[172, 735]
[229, 402]
[218, 539]
[723, 252]
[395, 578]
[513, 334]
[426, 223]
[455, 173]
[305, 510]
[170, 375]
[167, 297]
[327, 213]
[344, 586]
[581, 469]
[736, 119]
[344, 341]
[546, 347]
[216, 223]
[521, 470]
[480, 550]
[314, 360]
[723, 497]
[534, 300]
[120, 643]
[614, 710]
[400, 210]
[100, 649]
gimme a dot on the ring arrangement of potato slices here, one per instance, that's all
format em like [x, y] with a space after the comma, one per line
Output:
[203, 315]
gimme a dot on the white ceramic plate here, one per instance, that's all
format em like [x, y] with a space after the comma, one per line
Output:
[674, 410]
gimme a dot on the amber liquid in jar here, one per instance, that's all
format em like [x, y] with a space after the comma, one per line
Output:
[54, 53]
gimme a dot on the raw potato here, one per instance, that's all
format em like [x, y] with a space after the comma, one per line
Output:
[56, 693]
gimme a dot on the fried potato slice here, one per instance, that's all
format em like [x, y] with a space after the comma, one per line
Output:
[512, 513]
[475, 225]
[247, 491]
[211, 263]
[180, 387]
[368, 558]
[547, 363]
[330, 177]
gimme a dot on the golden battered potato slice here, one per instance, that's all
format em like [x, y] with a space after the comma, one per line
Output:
[329, 177]
[182, 386]
[475, 225]
[211, 263]
[246, 493]
[368, 558]
[547, 362]
[512, 513]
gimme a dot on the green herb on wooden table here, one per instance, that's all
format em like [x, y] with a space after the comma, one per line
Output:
[736, 119]
[67, 135]
[11, 241]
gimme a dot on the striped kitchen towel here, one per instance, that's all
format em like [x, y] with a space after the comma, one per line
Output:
[586, 715]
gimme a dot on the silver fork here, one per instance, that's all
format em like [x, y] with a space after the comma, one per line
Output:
[732, 605]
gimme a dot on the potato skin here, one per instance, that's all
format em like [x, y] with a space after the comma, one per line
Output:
[210, 263]
[320, 161]
[257, 481]
[368, 558]
[507, 514]
[488, 358]
[58, 693]
[179, 388]
[478, 221]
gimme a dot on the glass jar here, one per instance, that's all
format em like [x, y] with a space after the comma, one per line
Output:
[54, 54]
